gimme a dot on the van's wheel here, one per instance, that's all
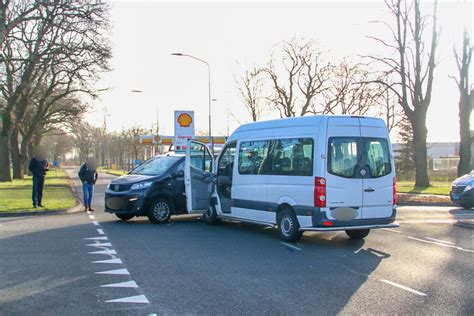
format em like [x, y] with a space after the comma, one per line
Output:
[357, 233]
[124, 217]
[160, 211]
[210, 216]
[467, 206]
[288, 226]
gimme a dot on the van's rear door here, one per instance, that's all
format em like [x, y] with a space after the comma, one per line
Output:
[198, 177]
[343, 181]
[378, 161]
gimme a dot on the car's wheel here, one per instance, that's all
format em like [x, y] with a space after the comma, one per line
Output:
[466, 206]
[288, 226]
[160, 211]
[124, 217]
[357, 233]
[210, 216]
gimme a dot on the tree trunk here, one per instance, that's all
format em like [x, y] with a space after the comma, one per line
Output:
[5, 172]
[24, 156]
[465, 108]
[420, 133]
[16, 155]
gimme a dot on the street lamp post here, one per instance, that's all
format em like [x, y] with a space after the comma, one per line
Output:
[209, 91]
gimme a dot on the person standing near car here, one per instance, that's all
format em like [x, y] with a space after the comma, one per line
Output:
[38, 167]
[88, 175]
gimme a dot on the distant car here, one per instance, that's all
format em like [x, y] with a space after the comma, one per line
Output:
[462, 191]
[154, 189]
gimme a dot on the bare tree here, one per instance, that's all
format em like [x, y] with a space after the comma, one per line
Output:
[298, 80]
[466, 102]
[49, 59]
[414, 67]
[350, 90]
[250, 88]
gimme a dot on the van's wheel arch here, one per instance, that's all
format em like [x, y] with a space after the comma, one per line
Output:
[288, 226]
[160, 210]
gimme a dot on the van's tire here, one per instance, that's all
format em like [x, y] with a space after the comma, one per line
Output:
[357, 233]
[210, 216]
[467, 206]
[288, 226]
[160, 211]
[124, 217]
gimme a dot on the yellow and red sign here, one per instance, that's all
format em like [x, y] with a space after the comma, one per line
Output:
[183, 129]
[185, 120]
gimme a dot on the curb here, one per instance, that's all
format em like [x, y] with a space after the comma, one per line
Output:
[465, 223]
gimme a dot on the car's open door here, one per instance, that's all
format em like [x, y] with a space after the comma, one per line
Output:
[198, 177]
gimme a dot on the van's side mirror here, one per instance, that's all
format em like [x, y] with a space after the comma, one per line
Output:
[178, 174]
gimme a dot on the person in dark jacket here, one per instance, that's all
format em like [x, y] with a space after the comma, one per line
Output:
[88, 175]
[38, 167]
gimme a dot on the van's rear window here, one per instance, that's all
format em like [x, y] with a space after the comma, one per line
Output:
[359, 157]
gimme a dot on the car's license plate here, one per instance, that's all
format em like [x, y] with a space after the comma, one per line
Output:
[455, 196]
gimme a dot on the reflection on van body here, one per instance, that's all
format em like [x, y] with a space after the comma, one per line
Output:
[320, 173]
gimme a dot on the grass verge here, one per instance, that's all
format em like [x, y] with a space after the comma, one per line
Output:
[116, 172]
[15, 196]
[437, 188]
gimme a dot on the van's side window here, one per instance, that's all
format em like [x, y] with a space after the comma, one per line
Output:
[378, 157]
[343, 158]
[251, 156]
[226, 161]
[292, 157]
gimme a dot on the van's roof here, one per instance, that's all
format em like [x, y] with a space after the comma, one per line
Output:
[309, 120]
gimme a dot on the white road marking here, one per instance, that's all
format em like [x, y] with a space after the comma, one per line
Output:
[96, 223]
[131, 299]
[403, 287]
[104, 252]
[439, 240]
[431, 221]
[91, 217]
[291, 246]
[104, 244]
[97, 238]
[100, 231]
[116, 260]
[440, 244]
[132, 284]
[115, 272]
[89, 212]
[392, 230]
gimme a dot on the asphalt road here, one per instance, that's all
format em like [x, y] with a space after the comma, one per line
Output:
[49, 266]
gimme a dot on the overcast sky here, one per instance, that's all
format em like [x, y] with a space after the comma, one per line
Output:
[232, 37]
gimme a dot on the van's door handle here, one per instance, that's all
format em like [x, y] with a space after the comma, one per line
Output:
[369, 190]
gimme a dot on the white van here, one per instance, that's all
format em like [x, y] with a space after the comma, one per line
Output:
[311, 173]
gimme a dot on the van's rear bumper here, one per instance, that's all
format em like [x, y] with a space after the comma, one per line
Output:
[336, 228]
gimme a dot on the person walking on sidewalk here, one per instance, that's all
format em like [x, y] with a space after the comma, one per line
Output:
[88, 175]
[38, 167]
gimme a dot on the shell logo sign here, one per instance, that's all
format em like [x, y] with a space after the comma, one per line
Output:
[183, 129]
[185, 120]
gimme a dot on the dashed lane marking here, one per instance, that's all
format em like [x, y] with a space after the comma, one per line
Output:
[104, 244]
[97, 238]
[104, 252]
[96, 223]
[392, 230]
[100, 231]
[403, 287]
[441, 244]
[439, 240]
[291, 246]
[91, 217]
[128, 284]
[115, 272]
[130, 299]
[115, 260]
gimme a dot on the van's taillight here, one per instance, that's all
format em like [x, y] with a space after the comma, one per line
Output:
[394, 191]
[319, 192]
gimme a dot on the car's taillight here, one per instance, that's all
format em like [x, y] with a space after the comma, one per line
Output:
[394, 191]
[319, 192]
